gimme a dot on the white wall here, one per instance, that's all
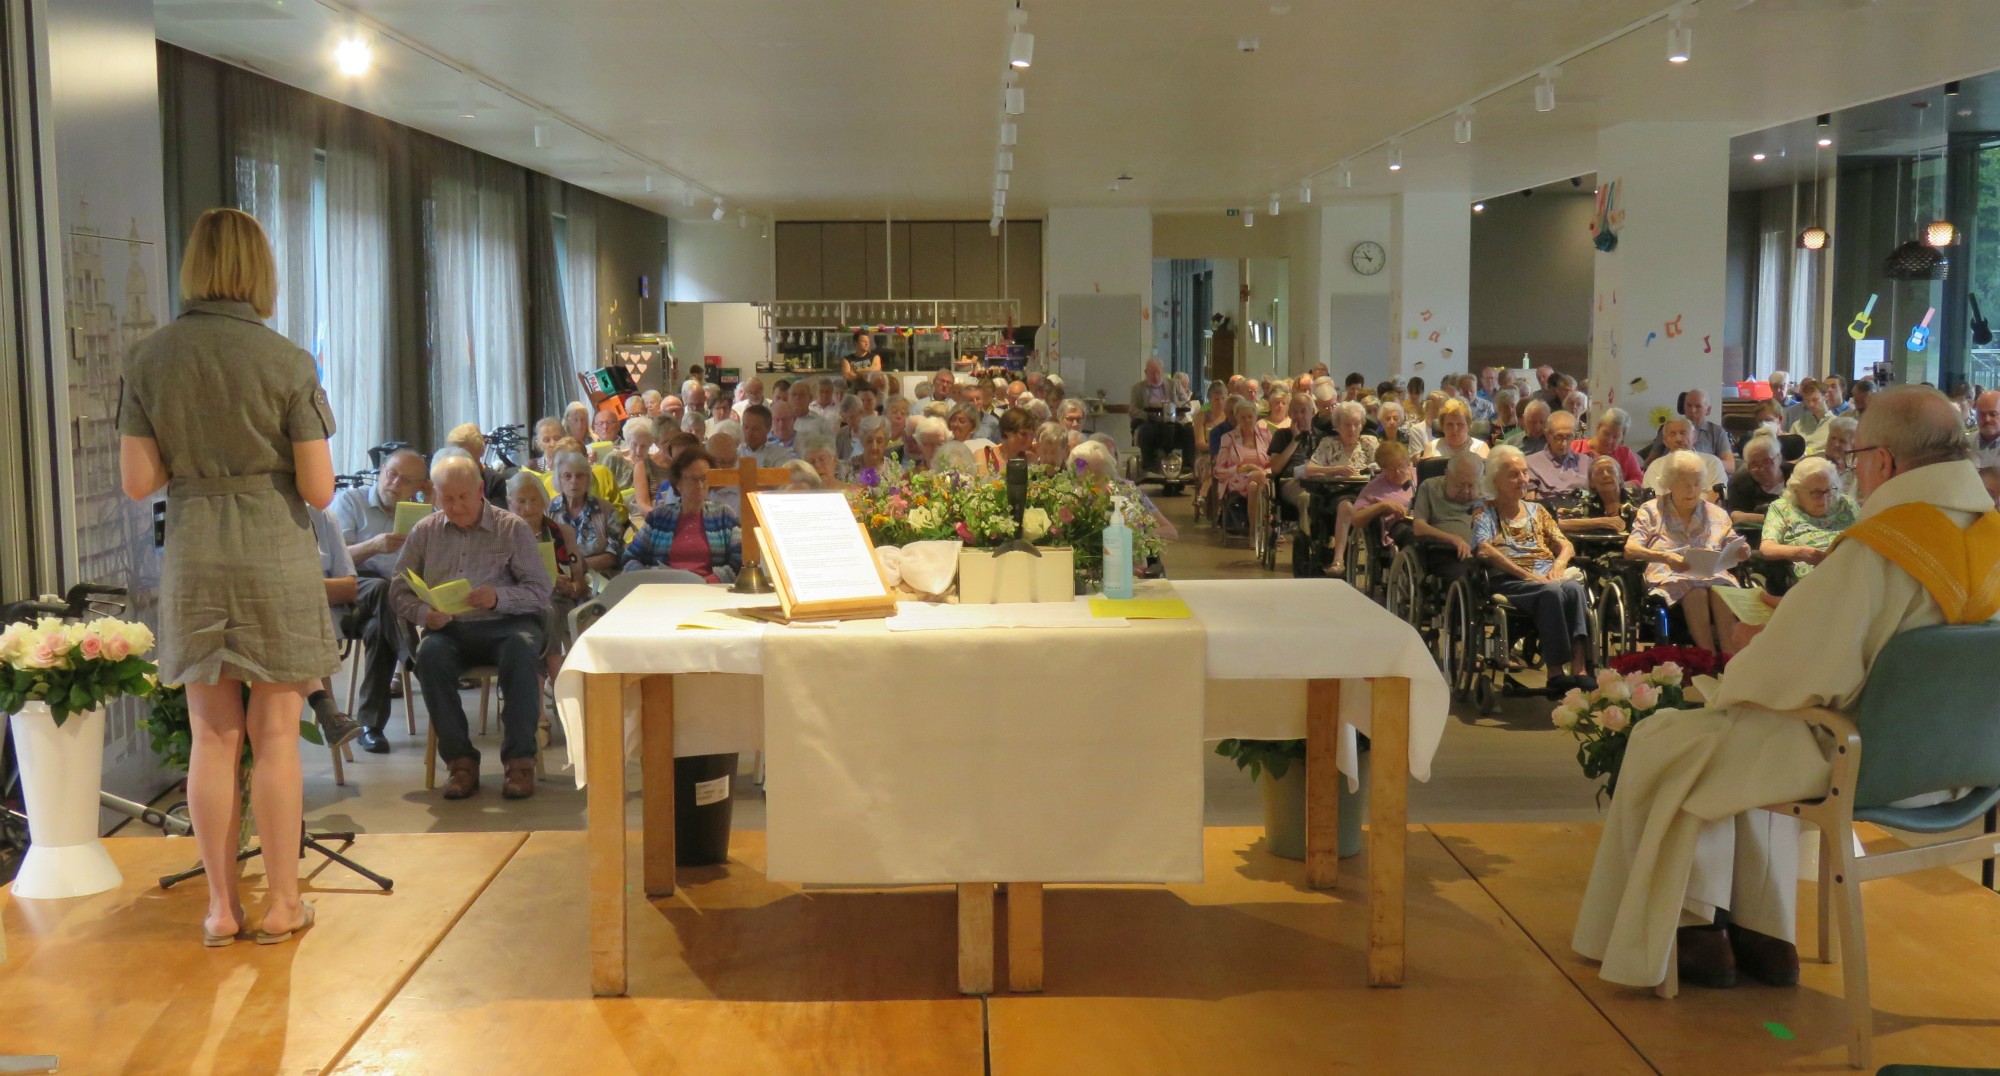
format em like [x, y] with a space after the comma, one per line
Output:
[1101, 252]
[710, 262]
[1430, 271]
[1659, 299]
[1359, 337]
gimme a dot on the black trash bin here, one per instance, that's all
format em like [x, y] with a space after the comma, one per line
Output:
[704, 787]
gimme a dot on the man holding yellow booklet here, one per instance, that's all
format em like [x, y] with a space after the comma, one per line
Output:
[472, 577]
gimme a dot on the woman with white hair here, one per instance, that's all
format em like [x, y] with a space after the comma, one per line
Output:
[1096, 457]
[1051, 447]
[954, 456]
[801, 476]
[1349, 452]
[1529, 555]
[1801, 526]
[1243, 464]
[1758, 482]
[926, 435]
[1683, 537]
[1069, 414]
[816, 448]
[1396, 426]
[1612, 426]
[873, 433]
[1840, 434]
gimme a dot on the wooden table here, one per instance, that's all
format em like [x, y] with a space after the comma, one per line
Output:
[604, 747]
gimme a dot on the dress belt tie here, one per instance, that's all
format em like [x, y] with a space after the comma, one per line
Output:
[230, 485]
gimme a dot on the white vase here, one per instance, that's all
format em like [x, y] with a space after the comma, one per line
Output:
[62, 768]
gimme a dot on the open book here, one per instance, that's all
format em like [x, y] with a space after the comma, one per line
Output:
[445, 597]
[409, 512]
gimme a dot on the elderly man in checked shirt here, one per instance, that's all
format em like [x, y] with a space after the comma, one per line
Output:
[495, 552]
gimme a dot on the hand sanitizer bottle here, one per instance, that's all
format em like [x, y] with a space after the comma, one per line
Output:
[1117, 557]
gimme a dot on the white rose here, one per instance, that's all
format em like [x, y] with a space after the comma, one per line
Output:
[1575, 700]
[1035, 524]
[1668, 674]
[1615, 691]
[923, 517]
[1645, 697]
[13, 643]
[1612, 719]
[1565, 718]
[138, 636]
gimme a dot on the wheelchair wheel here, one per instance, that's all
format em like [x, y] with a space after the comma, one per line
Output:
[1263, 531]
[1614, 636]
[1360, 567]
[1493, 647]
[1399, 591]
[1458, 652]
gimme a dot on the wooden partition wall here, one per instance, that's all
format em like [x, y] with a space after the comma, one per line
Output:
[923, 259]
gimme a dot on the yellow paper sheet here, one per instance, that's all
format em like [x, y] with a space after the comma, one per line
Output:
[409, 512]
[714, 620]
[446, 597]
[1139, 608]
[549, 558]
[1748, 604]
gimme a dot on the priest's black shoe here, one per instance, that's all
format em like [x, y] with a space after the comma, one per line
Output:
[373, 742]
[1706, 958]
[1771, 961]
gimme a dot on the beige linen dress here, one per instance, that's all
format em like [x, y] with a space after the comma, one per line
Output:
[225, 398]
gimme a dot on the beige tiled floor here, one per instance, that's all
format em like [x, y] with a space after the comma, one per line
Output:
[1511, 767]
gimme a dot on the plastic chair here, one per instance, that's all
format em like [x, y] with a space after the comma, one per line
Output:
[1927, 720]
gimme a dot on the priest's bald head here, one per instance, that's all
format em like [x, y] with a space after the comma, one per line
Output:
[1906, 427]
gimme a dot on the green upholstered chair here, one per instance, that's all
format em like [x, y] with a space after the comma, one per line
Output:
[1930, 721]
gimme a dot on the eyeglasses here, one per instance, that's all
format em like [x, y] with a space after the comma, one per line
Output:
[1847, 458]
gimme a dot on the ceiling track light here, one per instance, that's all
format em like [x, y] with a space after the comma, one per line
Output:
[764, 228]
[1249, 217]
[1005, 163]
[1395, 157]
[1275, 204]
[1347, 179]
[1010, 134]
[1479, 207]
[742, 219]
[649, 183]
[1545, 92]
[1680, 42]
[717, 215]
[993, 227]
[1461, 127]
[541, 137]
[687, 197]
[1305, 193]
[1016, 100]
[1951, 88]
[1001, 181]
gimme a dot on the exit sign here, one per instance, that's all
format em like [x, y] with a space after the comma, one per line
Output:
[1229, 212]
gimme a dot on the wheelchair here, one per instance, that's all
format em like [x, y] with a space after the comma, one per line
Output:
[1628, 615]
[1269, 517]
[1483, 637]
[1317, 515]
[1367, 561]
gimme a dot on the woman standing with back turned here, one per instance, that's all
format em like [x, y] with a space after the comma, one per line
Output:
[241, 600]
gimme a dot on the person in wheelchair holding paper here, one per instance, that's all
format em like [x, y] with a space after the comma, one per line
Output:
[1689, 545]
[489, 593]
[1157, 407]
[1520, 540]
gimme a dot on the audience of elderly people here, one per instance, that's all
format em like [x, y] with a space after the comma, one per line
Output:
[1521, 541]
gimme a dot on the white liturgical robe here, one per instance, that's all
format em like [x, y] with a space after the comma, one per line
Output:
[1682, 836]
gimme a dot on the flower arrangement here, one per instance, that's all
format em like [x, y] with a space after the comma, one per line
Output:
[74, 668]
[1067, 506]
[1692, 660]
[1602, 719]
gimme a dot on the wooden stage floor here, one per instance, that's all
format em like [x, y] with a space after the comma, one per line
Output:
[478, 962]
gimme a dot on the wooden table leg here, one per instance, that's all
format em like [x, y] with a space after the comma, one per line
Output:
[975, 938]
[656, 781]
[1388, 828]
[604, 757]
[1322, 783]
[1024, 937]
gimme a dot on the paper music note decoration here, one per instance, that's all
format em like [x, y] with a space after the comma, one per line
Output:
[1649, 339]
[1674, 327]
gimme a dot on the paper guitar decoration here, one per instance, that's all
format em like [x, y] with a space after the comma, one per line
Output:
[1982, 333]
[1858, 329]
[1920, 335]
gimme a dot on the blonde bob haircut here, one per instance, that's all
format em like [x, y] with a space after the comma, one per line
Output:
[229, 259]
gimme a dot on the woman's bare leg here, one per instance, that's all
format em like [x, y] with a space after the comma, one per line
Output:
[1341, 525]
[277, 795]
[1695, 606]
[1724, 617]
[215, 715]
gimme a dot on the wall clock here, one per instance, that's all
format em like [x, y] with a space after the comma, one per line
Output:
[1368, 257]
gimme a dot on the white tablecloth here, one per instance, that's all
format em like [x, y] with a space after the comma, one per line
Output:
[1265, 639]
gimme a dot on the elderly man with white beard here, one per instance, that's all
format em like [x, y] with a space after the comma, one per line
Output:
[1684, 840]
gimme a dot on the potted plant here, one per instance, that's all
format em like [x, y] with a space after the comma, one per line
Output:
[1279, 768]
[56, 679]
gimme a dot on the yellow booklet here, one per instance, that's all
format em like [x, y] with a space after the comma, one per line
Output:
[445, 597]
[409, 512]
[549, 559]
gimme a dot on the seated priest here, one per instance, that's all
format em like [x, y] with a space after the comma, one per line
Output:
[342, 587]
[495, 552]
[1683, 840]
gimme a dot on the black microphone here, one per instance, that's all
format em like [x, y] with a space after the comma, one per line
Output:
[1017, 488]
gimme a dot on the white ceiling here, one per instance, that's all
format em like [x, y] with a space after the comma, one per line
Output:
[805, 109]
